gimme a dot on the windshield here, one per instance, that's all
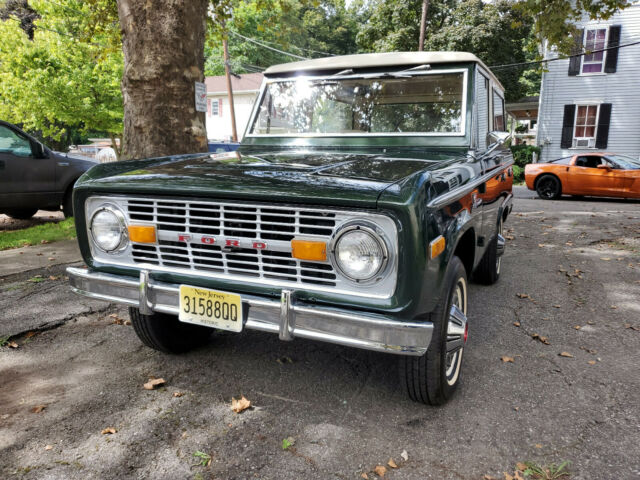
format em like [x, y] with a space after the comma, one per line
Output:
[421, 104]
[624, 162]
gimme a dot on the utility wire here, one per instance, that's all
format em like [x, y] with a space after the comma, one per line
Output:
[267, 46]
[560, 57]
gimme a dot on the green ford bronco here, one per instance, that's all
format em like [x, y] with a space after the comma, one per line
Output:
[367, 191]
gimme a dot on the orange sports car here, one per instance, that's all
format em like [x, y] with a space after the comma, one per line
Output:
[592, 174]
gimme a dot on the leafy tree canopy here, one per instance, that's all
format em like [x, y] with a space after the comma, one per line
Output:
[66, 78]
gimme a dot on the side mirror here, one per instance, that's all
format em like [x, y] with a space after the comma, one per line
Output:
[497, 137]
[604, 167]
[38, 150]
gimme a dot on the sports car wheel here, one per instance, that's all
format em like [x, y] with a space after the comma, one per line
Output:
[433, 378]
[548, 187]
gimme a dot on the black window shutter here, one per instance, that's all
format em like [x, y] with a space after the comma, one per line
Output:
[604, 119]
[567, 126]
[611, 63]
[574, 62]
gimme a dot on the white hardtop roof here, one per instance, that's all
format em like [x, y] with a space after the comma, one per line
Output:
[372, 60]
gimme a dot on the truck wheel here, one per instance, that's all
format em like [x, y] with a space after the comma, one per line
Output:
[166, 333]
[67, 204]
[488, 270]
[21, 213]
[433, 378]
[549, 187]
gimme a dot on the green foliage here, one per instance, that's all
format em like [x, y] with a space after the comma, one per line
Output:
[553, 19]
[547, 472]
[522, 154]
[50, 232]
[203, 459]
[286, 443]
[304, 28]
[66, 81]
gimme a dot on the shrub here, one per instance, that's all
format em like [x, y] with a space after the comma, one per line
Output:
[522, 154]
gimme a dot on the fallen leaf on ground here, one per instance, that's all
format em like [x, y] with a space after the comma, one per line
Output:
[53, 277]
[516, 408]
[13, 345]
[365, 476]
[48, 447]
[153, 383]
[632, 327]
[541, 338]
[178, 394]
[43, 242]
[108, 431]
[38, 408]
[391, 463]
[51, 259]
[577, 327]
[591, 362]
[506, 359]
[556, 306]
[517, 324]
[380, 470]
[538, 445]
[521, 466]
[606, 259]
[522, 295]
[488, 477]
[565, 354]
[240, 405]
[404, 455]
[614, 307]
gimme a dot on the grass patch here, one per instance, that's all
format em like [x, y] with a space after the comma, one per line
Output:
[50, 232]
[547, 472]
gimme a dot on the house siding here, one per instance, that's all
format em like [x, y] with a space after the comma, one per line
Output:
[219, 126]
[621, 89]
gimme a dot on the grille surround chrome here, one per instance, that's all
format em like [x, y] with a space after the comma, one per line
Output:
[272, 266]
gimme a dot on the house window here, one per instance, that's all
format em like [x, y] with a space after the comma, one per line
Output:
[595, 39]
[215, 110]
[584, 134]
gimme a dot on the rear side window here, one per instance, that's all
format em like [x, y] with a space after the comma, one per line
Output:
[562, 161]
[498, 112]
[11, 142]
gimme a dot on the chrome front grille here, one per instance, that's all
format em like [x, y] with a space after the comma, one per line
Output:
[194, 234]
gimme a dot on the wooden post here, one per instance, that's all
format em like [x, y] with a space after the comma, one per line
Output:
[232, 112]
[423, 24]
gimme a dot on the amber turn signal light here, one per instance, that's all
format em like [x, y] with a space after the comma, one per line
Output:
[142, 233]
[436, 247]
[308, 250]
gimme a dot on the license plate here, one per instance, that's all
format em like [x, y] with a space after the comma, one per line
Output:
[210, 308]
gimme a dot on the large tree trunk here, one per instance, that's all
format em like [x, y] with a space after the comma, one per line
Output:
[163, 45]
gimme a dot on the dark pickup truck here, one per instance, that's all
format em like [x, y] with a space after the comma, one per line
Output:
[367, 191]
[33, 177]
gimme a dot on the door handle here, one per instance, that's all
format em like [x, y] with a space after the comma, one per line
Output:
[63, 164]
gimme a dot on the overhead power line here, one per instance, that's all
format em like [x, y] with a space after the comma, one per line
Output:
[559, 57]
[268, 47]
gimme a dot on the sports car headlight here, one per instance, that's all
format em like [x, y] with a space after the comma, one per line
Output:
[359, 253]
[108, 229]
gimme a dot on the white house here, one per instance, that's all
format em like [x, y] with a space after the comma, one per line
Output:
[591, 102]
[245, 91]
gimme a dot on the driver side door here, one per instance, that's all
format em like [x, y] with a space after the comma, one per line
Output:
[585, 178]
[25, 181]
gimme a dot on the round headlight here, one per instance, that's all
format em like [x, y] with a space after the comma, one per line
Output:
[108, 229]
[360, 254]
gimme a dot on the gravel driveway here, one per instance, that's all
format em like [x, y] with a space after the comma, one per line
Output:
[570, 283]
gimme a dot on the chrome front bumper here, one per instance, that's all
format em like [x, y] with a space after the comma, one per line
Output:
[286, 317]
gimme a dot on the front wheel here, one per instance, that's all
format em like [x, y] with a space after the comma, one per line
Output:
[166, 333]
[433, 378]
[21, 213]
[549, 187]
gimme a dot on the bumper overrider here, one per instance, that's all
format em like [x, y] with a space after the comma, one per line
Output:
[287, 317]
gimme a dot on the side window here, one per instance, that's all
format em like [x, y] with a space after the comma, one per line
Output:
[498, 112]
[13, 143]
[588, 161]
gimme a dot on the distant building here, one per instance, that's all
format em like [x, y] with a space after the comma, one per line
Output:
[245, 92]
[590, 102]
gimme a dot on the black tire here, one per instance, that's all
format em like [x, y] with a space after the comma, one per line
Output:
[166, 333]
[488, 270]
[67, 204]
[433, 378]
[21, 213]
[549, 187]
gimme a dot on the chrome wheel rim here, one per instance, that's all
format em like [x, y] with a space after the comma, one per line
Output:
[456, 331]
